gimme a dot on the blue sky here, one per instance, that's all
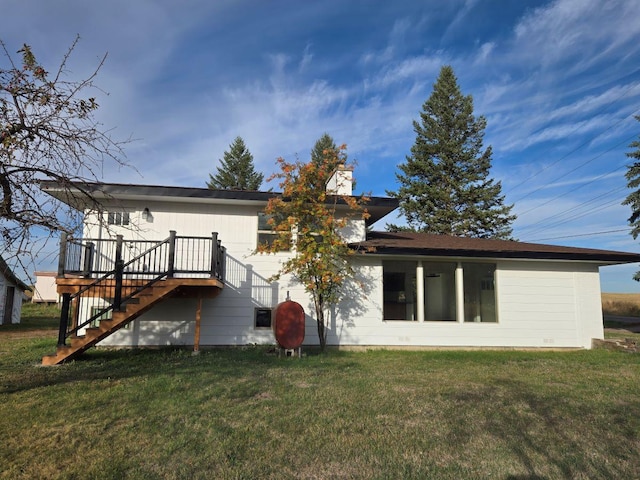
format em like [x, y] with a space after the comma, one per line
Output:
[558, 82]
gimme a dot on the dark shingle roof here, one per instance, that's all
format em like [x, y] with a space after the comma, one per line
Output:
[78, 195]
[405, 243]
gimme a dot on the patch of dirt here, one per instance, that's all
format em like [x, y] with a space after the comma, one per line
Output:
[631, 328]
[42, 333]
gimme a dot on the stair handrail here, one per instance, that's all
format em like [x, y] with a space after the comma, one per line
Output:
[65, 332]
[116, 275]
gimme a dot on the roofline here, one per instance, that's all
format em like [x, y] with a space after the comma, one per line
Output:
[444, 246]
[605, 258]
[378, 207]
[6, 271]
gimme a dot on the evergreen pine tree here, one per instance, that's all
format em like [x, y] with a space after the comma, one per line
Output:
[324, 144]
[325, 153]
[633, 182]
[236, 170]
[444, 184]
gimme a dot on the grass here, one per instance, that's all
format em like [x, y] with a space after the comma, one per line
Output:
[35, 316]
[245, 413]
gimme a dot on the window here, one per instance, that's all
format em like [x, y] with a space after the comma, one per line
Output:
[105, 316]
[266, 234]
[262, 318]
[479, 292]
[399, 290]
[118, 218]
[308, 231]
[439, 295]
[439, 291]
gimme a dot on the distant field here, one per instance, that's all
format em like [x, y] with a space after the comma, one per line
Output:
[624, 304]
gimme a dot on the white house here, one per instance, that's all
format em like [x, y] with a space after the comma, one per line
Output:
[12, 291]
[413, 290]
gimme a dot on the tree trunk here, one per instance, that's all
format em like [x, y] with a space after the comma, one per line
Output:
[320, 323]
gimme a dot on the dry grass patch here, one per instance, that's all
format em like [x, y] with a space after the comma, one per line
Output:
[621, 304]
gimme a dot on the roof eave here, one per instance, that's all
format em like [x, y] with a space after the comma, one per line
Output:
[599, 259]
[378, 207]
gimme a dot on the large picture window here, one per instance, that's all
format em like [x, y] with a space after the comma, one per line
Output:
[399, 290]
[479, 292]
[439, 291]
[436, 301]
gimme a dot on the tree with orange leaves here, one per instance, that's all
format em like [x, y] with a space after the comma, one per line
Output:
[311, 220]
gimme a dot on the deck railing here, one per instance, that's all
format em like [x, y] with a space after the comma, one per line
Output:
[122, 268]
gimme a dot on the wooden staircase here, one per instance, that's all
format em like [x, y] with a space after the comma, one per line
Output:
[134, 307]
[125, 293]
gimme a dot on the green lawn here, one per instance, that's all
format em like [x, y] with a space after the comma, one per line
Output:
[245, 413]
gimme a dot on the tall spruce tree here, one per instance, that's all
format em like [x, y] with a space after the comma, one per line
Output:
[325, 154]
[236, 170]
[323, 145]
[444, 184]
[633, 199]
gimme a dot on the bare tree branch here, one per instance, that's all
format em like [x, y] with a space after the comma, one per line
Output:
[48, 131]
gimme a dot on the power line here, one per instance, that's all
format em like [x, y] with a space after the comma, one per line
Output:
[579, 146]
[571, 171]
[572, 209]
[541, 226]
[591, 212]
[591, 234]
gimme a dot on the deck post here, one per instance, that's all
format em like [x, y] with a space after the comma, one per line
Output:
[196, 333]
[62, 257]
[214, 254]
[172, 253]
[64, 319]
[119, 268]
[222, 255]
[88, 259]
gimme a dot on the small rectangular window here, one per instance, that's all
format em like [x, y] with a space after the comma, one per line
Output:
[105, 316]
[266, 234]
[262, 318]
[118, 218]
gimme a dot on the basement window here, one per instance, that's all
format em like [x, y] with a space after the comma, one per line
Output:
[105, 316]
[440, 287]
[262, 318]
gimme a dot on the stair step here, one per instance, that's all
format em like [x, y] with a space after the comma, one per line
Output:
[49, 360]
[130, 309]
[77, 341]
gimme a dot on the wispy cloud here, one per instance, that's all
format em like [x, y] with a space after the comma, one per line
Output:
[557, 81]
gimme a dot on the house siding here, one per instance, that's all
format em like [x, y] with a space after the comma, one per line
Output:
[17, 299]
[44, 290]
[561, 311]
[538, 303]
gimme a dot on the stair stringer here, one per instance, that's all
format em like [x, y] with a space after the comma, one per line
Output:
[146, 299]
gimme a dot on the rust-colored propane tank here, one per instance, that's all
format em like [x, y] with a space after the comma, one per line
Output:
[288, 324]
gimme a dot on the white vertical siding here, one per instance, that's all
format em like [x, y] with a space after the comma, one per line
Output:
[17, 299]
[45, 288]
